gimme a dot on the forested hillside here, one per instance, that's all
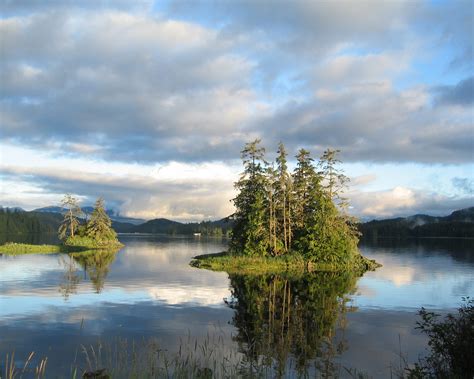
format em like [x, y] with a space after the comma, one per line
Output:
[458, 224]
[20, 222]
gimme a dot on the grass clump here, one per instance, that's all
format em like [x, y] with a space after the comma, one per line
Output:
[91, 243]
[291, 264]
[12, 248]
[75, 244]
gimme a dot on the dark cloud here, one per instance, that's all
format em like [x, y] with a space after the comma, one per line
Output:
[302, 26]
[373, 123]
[461, 93]
[95, 79]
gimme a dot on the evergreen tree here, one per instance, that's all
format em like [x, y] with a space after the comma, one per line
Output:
[334, 178]
[304, 178]
[322, 232]
[275, 245]
[277, 213]
[70, 222]
[308, 200]
[283, 198]
[99, 226]
[335, 184]
[250, 232]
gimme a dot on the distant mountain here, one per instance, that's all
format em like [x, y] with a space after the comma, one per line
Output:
[114, 216]
[458, 224]
[46, 220]
[165, 226]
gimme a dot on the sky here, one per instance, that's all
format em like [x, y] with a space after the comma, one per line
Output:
[148, 104]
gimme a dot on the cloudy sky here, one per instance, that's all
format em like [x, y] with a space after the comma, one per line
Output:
[149, 103]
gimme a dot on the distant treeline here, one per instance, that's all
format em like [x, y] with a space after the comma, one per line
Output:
[459, 224]
[165, 226]
[21, 222]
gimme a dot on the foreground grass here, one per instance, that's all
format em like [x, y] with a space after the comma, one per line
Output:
[451, 346]
[292, 264]
[143, 359]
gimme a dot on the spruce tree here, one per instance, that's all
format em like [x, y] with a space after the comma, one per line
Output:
[250, 233]
[275, 245]
[283, 198]
[277, 213]
[303, 176]
[99, 227]
[70, 223]
[334, 177]
[335, 183]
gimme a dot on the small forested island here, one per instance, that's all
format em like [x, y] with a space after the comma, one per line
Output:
[76, 232]
[290, 222]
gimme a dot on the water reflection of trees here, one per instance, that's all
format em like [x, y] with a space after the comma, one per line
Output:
[290, 324]
[95, 265]
[71, 278]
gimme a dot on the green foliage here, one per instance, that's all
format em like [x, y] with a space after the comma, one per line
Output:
[99, 227]
[283, 202]
[97, 232]
[280, 214]
[451, 344]
[250, 233]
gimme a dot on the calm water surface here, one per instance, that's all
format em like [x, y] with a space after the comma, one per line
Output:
[53, 303]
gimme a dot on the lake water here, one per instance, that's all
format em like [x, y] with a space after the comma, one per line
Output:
[53, 304]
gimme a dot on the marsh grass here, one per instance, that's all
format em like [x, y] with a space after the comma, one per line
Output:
[91, 243]
[13, 248]
[293, 265]
[13, 372]
[209, 358]
[146, 359]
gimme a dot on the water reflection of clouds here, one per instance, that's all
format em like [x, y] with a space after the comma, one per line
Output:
[204, 296]
[26, 268]
[144, 270]
[43, 299]
[150, 290]
[414, 278]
